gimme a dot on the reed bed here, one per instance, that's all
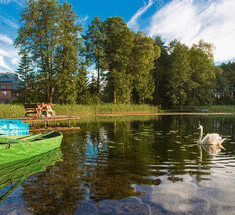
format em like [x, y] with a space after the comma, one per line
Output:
[91, 110]
[214, 108]
[18, 110]
[11, 110]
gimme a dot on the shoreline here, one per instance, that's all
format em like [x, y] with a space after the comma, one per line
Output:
[74, 117]
[163, 114]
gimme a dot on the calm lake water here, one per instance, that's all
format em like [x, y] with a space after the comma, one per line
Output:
[128, 165]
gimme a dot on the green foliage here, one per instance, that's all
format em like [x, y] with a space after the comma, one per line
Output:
[118, 49]
[94, 43]
[203, 77]
[26, 74]
[160, 75]
[131, 67]
[49, 34]
[144, 52]
[180, 74]
[227, 82]
[38, 35]
[66, 56]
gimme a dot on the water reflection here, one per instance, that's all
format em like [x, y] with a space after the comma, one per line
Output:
[210, 149]
[13, 174]
[137, 167]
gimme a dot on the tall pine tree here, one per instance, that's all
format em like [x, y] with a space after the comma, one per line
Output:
[94, 44]
[25, 72]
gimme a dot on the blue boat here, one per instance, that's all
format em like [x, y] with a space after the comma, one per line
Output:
[10, 127]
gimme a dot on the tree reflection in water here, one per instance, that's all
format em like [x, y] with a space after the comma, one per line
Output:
[104, 162]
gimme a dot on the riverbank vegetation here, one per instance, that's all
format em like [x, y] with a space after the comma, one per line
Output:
[89, 111]
[15, 110]
[108, 63]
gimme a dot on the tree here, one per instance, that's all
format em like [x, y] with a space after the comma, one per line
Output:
[118, 48]
[207, 48]
[143, 55]
[82, 82]
[94, 43]
[221, 87]
[180, 74]
[67, 59]
[203, 77]
[229, 75]
[38, 35]
[161, 75]
[25, 72]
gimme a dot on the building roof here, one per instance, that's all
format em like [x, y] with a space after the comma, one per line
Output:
[10, 77]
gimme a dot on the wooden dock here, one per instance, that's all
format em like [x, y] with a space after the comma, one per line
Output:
[32, 121]
[36, 130]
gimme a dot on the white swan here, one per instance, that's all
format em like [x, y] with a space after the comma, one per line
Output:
[214, 138]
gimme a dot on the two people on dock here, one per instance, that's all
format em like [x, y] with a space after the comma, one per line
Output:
[45, 110]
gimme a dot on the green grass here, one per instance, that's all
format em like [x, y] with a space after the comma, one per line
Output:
[91, 110]
[17, 110]
[215, 108]
[10, 110]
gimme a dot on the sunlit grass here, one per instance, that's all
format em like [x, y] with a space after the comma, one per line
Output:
[15, 110]
[9, 110]
[90, 110]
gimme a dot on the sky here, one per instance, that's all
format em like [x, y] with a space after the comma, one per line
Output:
[185, 20]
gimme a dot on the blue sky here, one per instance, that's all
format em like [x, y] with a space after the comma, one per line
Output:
[185, 20]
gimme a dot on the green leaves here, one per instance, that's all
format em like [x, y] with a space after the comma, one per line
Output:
[143, 54]
[131, 67]
[118, 49]
[49, 34]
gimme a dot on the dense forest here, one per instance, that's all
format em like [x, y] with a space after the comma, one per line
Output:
[107, 62]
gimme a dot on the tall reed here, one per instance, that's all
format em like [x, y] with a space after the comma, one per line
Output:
[11, 110]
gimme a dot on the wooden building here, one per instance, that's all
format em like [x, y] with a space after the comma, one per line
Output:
[9, 87]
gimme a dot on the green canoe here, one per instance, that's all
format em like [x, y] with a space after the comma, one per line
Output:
[13, 148]
[14, 173]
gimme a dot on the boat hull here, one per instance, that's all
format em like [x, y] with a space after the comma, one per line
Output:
[13, 149]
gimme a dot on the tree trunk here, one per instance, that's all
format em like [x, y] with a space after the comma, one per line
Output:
[114, 96]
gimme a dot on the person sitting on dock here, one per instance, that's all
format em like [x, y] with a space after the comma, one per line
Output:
[47, 110]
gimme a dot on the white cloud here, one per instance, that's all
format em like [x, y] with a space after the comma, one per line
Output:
[9, 21]
[15, 60]
[6, 39]
[83, 19]
[3, 64]
[19, 2]
[5, 1]
[189, 21]
[133, 23]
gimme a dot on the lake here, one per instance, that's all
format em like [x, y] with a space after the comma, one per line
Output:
[128, 165]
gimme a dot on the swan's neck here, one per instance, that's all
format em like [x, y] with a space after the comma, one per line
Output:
[200, 134]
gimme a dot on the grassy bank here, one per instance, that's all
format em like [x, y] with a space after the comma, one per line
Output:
[214, 108]
[91, 110]
[9, 110]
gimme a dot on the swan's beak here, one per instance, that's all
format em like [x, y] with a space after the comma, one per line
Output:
[198, 128]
